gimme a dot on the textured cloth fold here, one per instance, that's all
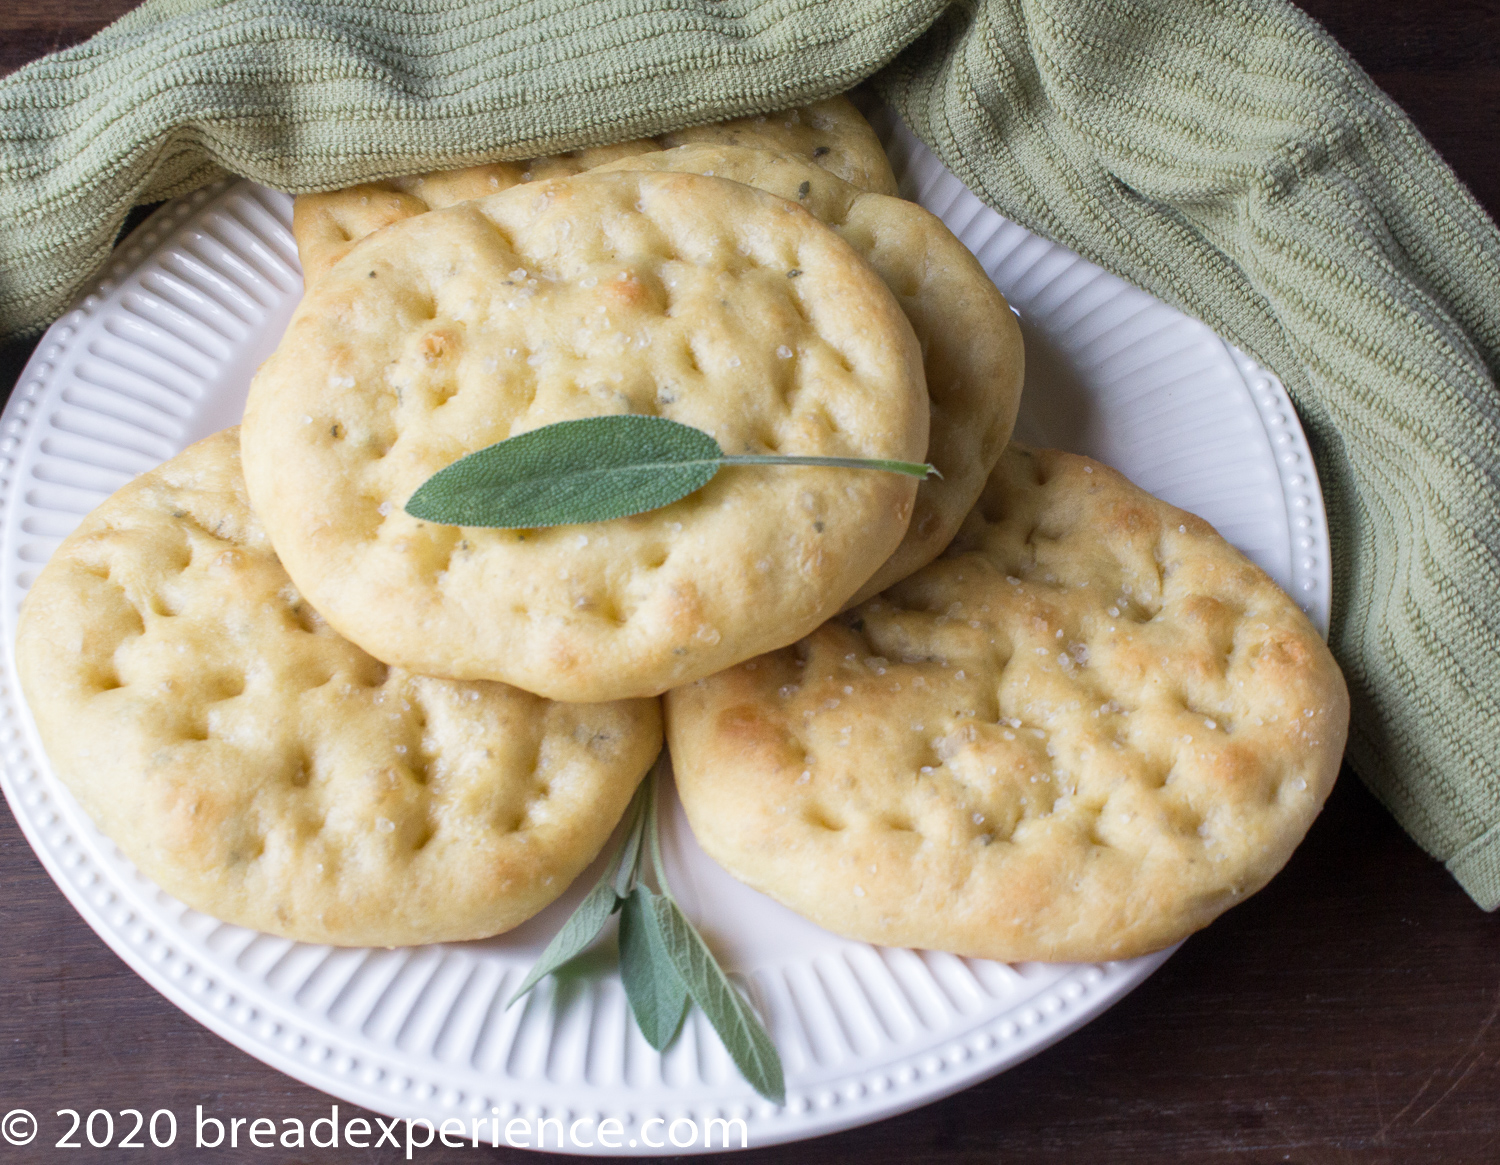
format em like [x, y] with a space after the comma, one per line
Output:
[1225, 154]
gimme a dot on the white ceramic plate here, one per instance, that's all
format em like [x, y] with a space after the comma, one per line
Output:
[159, 354]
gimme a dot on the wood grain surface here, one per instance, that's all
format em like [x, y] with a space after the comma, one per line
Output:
[1346, 1014]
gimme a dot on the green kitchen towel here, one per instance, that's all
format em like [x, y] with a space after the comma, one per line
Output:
[1225, 154]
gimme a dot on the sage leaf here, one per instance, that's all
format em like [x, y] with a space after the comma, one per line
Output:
[585, 923]
[588, 470]
[744, 1038]
[582, 927]
[658, 999]
[592, 470]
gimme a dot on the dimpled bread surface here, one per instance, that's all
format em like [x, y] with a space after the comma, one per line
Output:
[1081, 734]
[269, 773]
[971, 342]
[831, 134]
[678, 295]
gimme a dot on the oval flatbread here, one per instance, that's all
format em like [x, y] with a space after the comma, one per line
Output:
[830, 134]
[676, 295]
[269, 773]
[1081, 734]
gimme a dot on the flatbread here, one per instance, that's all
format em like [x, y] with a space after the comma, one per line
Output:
[831, 134]
[972, 353]
[678, 295]
[1081, 734]
[269, 773]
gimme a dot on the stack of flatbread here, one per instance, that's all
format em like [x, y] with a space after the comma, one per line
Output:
[1022, 710]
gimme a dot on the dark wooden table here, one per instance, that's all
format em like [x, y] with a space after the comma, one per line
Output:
[1346, 1014]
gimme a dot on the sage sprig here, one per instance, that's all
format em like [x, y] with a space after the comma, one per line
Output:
[592, 470]
[664, 962]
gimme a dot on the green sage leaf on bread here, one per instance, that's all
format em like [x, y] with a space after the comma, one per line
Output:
[592, 470]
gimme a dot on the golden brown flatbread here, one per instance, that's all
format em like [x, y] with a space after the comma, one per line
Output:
[1081, 734]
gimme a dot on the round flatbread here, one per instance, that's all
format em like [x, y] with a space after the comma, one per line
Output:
[677, 295]
[268, 772]
[1081, 734]
[831, 134]
[972, 353]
